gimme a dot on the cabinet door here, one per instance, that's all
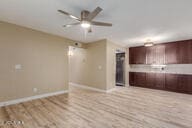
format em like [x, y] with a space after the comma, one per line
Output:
[131, 56]
[140, 79]
[190, 84]
[159, 54]
[183, 83]
[171, 82]
[140, 55]
[150, 80]
[160, 81]
[132, 78]
[150, 55]
[171, 53]
[155, 54]
[184, 52]
[190, 51]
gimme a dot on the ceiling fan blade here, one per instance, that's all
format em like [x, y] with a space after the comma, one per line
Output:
[69, 25]
[66, 13]
[101, 24]
[94, 13]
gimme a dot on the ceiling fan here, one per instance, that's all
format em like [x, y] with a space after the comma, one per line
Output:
[86, 19]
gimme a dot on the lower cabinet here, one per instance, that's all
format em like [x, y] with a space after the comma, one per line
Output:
[183, 84]
[171, 82]
[190, 84]
[140, 79]
[162, 81]
[150, 80]
[137, 79]
[132, 78]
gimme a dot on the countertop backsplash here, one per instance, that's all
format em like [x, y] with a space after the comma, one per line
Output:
[173, 68]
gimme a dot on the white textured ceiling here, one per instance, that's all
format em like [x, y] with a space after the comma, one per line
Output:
[134, 21]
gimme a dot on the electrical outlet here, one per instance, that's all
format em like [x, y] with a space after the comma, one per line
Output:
[35, 90]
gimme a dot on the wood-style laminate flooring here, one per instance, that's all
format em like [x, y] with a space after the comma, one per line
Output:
[130, 107]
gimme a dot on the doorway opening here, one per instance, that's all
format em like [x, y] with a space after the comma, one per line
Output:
[120, 68]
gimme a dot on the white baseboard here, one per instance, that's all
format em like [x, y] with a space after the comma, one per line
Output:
[16, 101]
[111, 90]
[92, 88]
[127, 85]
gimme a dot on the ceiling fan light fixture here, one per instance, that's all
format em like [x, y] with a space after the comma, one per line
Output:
[85, 24]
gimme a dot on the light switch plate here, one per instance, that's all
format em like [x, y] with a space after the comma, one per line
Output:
[18, 66]
[35, 90]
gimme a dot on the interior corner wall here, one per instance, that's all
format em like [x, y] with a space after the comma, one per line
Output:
[42, 59]
[95, 65]
[87, 66]
[78, 65]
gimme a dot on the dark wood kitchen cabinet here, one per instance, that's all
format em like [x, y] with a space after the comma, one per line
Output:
[171, 81]
[183, 85]
[132, 56]
[190, 51]
[137, 79]
[160, 54]
[179, 52]
[150, 80]
[155, 54]
[132, 78]
[155, 80]
[171, 53]
[150, 55]
[140, 79]
[137, 55]
[190, 84]
[184, 52]
[160, 81]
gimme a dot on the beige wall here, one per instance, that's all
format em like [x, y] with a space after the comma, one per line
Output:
[88, 66]
[44, 63]
[43, 58]
[95, 65]
[78, 65]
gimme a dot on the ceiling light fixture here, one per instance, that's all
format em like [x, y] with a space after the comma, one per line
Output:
[148, 43]
[85, 24]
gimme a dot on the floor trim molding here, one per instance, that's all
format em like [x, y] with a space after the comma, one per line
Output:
[111, 90]
[20, 100]
[92, 88]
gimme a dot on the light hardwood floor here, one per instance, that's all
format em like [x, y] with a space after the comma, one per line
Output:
[124, 108]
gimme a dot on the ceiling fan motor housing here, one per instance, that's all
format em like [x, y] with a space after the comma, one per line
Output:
[84, 15]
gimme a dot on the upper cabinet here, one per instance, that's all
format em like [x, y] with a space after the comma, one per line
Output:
[190, 51]
[131, 56]
[160, 54]
[155, 54]
[185, 52]
[171, 53]
[137, 55]
[179, 52]
[150, 55]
